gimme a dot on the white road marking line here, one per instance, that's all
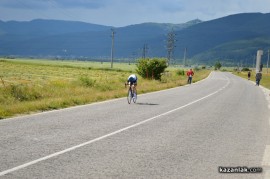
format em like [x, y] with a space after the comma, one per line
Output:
[107, 135]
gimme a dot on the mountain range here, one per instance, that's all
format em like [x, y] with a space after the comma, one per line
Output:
[232, 39]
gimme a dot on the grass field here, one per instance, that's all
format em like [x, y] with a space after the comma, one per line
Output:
[28, 86]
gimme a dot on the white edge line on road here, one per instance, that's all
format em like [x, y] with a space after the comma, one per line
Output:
[97, 103]
[106, 136]
[266, 156]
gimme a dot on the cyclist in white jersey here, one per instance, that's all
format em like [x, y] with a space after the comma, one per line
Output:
[132, 81]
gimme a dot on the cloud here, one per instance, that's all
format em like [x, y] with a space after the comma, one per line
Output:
[21, 4]
[126, 12]
[88, 4]
[45, 4]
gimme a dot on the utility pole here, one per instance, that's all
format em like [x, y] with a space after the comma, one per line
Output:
[267, 61]
[254, 61]
[185, 55]
[145, 49]
[170, 45]
[112, 49]
[241, 63]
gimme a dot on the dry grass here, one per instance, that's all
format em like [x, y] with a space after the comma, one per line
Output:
[28, 86]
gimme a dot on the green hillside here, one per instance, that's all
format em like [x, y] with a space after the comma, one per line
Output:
[218, 38]
[232, 53]
[230, 39]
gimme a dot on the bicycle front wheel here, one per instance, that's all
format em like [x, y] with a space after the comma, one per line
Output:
[129, 96]
[134, 97]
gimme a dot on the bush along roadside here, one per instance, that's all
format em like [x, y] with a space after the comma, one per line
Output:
[151, 68]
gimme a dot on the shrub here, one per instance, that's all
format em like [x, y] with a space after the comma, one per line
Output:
[87, 81]
[151, 68]
[166, 77]
[24, 92]
[218, 65]
[245, 69]
[180, 72]
[196, 68]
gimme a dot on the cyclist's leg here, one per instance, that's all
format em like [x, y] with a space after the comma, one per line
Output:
[132, 88]
[135, 89]
[129, 95]
[135, 92]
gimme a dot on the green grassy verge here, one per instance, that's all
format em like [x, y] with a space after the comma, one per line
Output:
[28, 86]
[265, 77]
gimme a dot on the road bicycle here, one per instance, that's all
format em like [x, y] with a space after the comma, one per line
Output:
[132, 94]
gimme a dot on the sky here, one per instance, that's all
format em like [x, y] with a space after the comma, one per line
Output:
[119, 13]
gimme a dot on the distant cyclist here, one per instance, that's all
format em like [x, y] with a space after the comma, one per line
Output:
[132, 81]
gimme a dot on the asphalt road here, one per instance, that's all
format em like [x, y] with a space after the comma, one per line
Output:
[185, 132]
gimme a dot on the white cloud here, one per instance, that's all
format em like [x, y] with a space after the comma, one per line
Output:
[126, 12]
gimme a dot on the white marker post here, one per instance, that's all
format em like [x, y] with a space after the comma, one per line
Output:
[259, 61]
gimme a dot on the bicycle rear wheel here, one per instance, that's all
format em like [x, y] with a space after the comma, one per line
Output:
[129, 96]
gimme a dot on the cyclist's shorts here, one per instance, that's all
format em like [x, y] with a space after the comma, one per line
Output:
[133, 83]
